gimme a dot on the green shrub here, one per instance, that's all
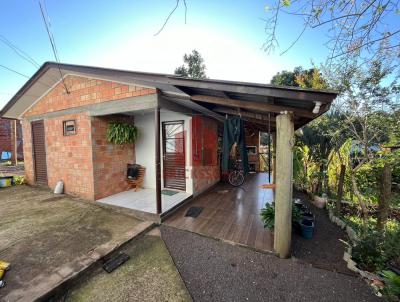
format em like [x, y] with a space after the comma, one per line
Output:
[392, 285]
[376, 248]
[19, 180]
[268, 215]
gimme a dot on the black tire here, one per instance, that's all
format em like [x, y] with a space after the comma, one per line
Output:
[236, 178]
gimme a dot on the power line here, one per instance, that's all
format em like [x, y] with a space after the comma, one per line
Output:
[19, 51]
[21, 74]
[13, 70]
[53, 44]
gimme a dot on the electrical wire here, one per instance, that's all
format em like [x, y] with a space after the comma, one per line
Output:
[19, 51]
[21, 74]
[53, 43]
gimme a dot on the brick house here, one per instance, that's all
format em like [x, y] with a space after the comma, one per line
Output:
[179, 120]
[6, 137]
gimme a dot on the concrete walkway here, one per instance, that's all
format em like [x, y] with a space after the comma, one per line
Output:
[216, 271]
[49, 239]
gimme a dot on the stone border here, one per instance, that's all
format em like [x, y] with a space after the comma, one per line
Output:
[373, 280]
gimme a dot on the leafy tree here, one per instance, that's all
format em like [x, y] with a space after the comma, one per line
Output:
[317, 135]
[368, 98]
[193, 66]
[299, 77]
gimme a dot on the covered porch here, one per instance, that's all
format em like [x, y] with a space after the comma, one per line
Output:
[231, 213]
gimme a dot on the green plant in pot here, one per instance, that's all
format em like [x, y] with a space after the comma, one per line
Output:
[121, 133]
[268, 215]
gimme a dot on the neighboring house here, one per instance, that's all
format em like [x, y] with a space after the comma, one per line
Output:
[179, 120]
[6, 130]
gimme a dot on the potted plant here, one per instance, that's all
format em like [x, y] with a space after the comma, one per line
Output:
[121, 133]
[268, 216]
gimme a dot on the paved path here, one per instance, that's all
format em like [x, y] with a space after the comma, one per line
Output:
[48, 238]
[216, 271]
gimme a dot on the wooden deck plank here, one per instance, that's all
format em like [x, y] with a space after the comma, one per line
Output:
[230, 213]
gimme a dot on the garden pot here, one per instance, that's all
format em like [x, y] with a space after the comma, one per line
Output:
[307, 229]
[308, 216]
[6, 181]
[320, 202]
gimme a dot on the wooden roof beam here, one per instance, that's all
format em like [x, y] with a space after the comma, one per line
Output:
[251, 105]
[259, 116]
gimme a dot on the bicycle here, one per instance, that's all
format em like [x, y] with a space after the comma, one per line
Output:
[236, 177]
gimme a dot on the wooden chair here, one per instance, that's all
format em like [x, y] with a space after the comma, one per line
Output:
[137, 182]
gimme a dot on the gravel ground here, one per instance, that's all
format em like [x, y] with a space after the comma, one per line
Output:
[324, 250]
[216, 271]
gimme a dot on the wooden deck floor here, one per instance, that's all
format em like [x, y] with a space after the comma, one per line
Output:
[230, 213]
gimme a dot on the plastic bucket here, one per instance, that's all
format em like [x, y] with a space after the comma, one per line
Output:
[6, 181]
[308, 216]
[307, 228]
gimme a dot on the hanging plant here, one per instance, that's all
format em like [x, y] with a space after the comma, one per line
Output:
[121, 133]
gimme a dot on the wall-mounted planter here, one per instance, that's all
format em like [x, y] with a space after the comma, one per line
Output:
[6, 181]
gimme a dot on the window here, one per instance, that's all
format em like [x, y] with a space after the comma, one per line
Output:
[251, 150]
[69, 127]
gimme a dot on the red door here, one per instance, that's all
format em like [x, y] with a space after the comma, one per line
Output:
[174, 155]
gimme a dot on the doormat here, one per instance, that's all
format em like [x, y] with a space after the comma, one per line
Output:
[194, 212]
[168, 192]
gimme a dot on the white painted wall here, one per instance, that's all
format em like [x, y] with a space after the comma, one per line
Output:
[145, 147]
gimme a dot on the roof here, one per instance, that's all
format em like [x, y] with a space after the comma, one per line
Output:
[256, 103]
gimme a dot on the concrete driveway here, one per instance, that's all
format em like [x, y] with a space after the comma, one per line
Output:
[49, 238]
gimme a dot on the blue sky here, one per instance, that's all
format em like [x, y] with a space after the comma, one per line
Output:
[120, 34]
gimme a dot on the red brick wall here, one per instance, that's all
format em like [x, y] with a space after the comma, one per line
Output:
[109, 160]
[84, 91]
[69, 158]
[6, 128]
[205, 171]
[89, 166]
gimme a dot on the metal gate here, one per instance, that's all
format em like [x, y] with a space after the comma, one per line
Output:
[39, 152]
[174, 155]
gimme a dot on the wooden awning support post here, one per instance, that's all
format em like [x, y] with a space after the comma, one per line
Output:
[157, 158]
[284, 186]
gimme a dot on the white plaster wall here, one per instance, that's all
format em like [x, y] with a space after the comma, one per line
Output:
[145, 147]
[169, 116]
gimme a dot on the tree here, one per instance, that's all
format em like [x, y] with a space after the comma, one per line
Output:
[318, 134]
[299, 77]
[353, 27]
[193, 66]
[367, 101]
